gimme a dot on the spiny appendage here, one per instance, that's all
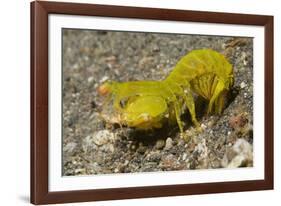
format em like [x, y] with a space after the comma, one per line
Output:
[213, 90]
[214, 77]
[182, 91]
[206, 87]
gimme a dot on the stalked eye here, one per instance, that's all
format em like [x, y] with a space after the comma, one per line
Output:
[123, 103]
[103, 89]
[127, 100]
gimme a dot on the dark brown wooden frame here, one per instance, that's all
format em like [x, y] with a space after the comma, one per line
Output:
[39, 102]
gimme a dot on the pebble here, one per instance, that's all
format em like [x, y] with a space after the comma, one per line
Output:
[110, 148]
[203, 126]
[133, 147]
[202, 149]
[184, 156]
[111, 59]
[69, 147]
[238, 121]
[96, 85]
[169, 143]
[87, 143]
[103, 79]
[75, 66]
[126, 162]
[169, 162]
[145, 60]
[210, 123]
[155, 49]
[102, 137]
[154, 156]
[240, 154]
[160, 144]
[141, 149]
[243, 85]
[216, 164]
[90, 79]
[86, 58]
[80, 171]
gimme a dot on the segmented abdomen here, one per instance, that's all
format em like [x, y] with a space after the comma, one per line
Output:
[205, 85]
[201, 70]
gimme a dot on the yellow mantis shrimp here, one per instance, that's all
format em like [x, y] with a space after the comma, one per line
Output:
[145, 104]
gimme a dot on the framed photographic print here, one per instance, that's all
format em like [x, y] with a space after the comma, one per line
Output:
[131, 102]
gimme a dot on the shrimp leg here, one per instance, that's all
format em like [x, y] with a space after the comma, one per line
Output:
[189, 101]
[177, 113]
[219, 89]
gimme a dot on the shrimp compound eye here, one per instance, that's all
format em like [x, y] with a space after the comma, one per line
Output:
[127, 100]
[104, 89]
[123, 103]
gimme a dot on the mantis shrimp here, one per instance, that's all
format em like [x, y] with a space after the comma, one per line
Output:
[145, 104]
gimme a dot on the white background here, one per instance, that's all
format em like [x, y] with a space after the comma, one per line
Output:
[14, 104]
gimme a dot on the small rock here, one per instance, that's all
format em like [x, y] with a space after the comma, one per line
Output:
[181, 142]
[86, 58]
[154, 156]
[96, 85]
[239, 155]
[75, 67]
[95, 167]
[203, 126]
[238, 121]
[155, 49]
[202, 150]
[141, 149]
[109, 147]
[80, 171]
[192, 164]
[169, 143]
[169, 162]
[126, 162]
[90, 79]
[149, 167]
[111, 59]
[144, 61]
[216, 164]
[103, 79]
[210, 123]
[184, 156]
[102, 137]
[200, 153]
[160, 144]
[87, 144]
[133, 147]
[243, 85]
[69, 147]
